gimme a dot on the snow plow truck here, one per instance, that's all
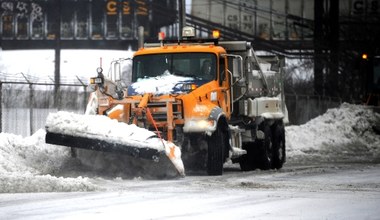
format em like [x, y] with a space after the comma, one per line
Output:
[216, 101]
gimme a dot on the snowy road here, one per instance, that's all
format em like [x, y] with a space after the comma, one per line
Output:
[332, 172]
[325, 191]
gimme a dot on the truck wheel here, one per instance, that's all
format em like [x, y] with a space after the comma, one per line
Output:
[265, 148]
[215, 155]
[279, 155]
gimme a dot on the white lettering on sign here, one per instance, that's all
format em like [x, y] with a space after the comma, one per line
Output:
[36, 14]
[7, 6]
[22, 9]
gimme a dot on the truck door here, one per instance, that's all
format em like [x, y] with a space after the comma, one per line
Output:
[224, 83]
[233, 74]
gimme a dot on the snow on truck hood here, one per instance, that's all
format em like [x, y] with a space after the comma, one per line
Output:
[160, 85]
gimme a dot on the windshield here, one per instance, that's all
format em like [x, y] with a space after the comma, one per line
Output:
[197, 65]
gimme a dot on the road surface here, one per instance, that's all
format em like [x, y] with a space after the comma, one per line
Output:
[298, 191]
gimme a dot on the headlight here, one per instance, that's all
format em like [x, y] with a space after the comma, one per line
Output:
[203, 125]
[189, 87]
[96, 80]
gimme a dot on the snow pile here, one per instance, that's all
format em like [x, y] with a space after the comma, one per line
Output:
[341, 134]
[164, 84]
[26, 165]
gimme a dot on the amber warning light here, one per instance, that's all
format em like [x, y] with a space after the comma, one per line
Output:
[215, 34]
[364, 56]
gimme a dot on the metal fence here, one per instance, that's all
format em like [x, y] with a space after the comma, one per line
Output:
[302, 108]
[25, 106]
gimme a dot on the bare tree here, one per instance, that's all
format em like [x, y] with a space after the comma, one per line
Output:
[299, 76]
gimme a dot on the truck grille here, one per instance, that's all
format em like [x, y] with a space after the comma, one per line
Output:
[162, 110]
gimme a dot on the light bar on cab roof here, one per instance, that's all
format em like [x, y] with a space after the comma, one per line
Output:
[188, 32]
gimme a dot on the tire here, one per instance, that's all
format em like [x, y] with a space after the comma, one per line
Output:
[215, 154]
[279, 151]
[265, 148]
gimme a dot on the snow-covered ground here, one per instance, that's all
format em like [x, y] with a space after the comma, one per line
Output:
[313, 192]
[81, 63]
[341, 134]
[332, 172]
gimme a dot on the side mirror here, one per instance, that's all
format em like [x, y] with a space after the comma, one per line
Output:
[117, 67]
[237, 66]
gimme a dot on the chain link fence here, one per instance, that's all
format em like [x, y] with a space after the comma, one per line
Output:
[25, 105]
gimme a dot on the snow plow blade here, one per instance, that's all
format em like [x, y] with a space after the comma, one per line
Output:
[102, 145]
[100, 133]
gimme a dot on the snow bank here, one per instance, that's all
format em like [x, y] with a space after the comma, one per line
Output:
[27, 165]
[340, 134]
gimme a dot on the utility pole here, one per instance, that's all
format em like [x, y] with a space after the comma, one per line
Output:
[57, 66]
[181, 16]
[318, 48]
[326, 47]
[333, 39]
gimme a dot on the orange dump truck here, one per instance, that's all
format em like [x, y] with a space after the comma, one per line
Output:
[217, 101]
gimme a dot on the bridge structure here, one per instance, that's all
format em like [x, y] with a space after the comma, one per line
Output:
[81, 24]
[331, 32]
